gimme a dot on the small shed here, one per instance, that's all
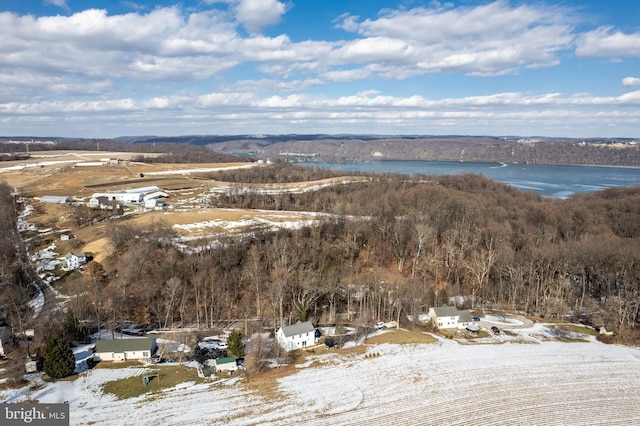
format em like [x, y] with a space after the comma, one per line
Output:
[226, 364]
[606, 331]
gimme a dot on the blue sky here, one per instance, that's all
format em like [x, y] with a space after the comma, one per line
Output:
[507, 67]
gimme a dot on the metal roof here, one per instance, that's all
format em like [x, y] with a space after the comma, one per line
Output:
[298, 328]
[446, 311]
[125, 345]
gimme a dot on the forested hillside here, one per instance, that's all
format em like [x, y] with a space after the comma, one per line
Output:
[387, 248]
[15, 281]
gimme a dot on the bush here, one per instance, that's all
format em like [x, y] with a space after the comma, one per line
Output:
[235, 345]
[59, 361]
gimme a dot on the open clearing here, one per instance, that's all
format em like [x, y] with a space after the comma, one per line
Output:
[441, 383]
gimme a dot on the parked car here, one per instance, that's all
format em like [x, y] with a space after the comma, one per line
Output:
[495, 330]
[380, 325]
[475, 319]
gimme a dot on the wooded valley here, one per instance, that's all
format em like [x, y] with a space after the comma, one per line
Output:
[386, 249]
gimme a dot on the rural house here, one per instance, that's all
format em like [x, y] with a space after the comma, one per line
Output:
[98, 202]
[5, 339]
[448, 317]
[296, 336]
[72, 261]
[125, 349]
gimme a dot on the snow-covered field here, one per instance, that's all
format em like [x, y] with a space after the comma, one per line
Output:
[522, 379]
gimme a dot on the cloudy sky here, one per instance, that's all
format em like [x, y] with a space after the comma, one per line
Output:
[508, 67]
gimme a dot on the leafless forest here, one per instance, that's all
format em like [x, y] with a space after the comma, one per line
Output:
[388, 248]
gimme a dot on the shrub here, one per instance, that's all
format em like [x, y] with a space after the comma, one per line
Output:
[59, 361]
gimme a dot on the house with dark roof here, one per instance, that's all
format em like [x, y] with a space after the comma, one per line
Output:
[5, 339]
[448, 317]
[296, 336]
[125, 349]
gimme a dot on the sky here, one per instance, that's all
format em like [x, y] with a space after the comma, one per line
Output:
[103, 69]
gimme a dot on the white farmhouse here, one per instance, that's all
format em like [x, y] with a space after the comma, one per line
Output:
[72, 261]
[125, 349]
[296, 336]
[449, 317]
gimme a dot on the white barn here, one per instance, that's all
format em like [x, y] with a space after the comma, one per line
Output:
[123, 197]
[125, 349]
[296, 336]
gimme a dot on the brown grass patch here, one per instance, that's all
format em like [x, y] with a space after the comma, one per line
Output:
[101, 249]
[402, 337]
[167, 377]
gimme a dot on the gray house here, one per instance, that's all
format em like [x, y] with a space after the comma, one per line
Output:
[125, 349]
[5, 338]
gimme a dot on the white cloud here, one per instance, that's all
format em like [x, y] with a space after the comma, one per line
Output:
[631, 81]
[258, 14]
[366, 111]
[488, 39]
[59, 3]
[346, 75]
[605, 41]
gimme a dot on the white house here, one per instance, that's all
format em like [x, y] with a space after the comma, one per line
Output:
[449, 317]
[125, 349]
[296, 336]
[72, 261]
[99, 201]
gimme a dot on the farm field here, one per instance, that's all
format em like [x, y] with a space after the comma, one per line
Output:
[527, 378]
[75, 174]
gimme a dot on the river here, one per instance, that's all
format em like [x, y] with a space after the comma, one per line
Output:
[560, 181]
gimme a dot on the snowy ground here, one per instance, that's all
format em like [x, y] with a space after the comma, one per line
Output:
[522, 379]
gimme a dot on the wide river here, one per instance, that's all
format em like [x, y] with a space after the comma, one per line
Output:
[548, 180]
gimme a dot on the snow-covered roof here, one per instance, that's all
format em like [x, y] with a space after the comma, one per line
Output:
[141, 190]
[155, 194]
[297, 328]
[55, 199]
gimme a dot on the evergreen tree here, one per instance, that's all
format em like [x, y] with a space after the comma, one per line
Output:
[235, 344]
[58, 358]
